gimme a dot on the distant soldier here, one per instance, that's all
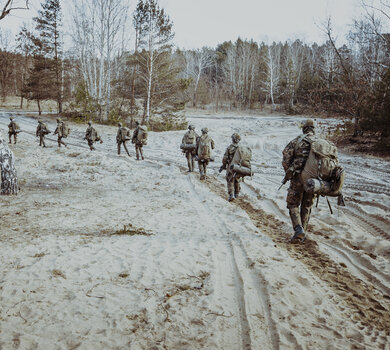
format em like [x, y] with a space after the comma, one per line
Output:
[188, 145]
[60, 132]
[233, 181]
[204, 146]
[140, 136]
[42, 131]
[122, 136]
[299, 202]
[13, 129]
[91, 135]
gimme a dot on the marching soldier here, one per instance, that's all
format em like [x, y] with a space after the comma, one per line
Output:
[42, 131]
[13, 129]
[122, 136]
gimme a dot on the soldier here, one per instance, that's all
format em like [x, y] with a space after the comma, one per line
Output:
[13, 129]
[91, 135]
[299, 202]
[232, 181]
[42, 131]
[122, 137]
[139, 139]
[59, 131]
[190, 138]
[204, 146]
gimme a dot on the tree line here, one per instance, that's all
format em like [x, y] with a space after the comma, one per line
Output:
[103, 78]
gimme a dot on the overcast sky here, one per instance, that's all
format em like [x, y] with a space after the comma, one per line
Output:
[200, 23]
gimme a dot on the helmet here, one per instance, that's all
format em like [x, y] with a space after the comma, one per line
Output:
[89, 122]
[39, 121]
[11, 118]
[58, 120]
[309, 123]
[236, 138]
[191, 127]
[120, 125]
[205, 130]
[137, 122]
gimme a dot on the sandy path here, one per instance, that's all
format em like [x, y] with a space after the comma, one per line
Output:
[208, 273]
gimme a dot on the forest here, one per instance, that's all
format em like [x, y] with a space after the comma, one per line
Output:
[97, 75]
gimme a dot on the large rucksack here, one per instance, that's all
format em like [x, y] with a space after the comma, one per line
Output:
[241, 161]
[322, 173]
[65, 129]
[204, 148]
[125, 134]
[142, 135]
[189, 138]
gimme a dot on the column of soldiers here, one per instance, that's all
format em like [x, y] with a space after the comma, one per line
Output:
[300, 196]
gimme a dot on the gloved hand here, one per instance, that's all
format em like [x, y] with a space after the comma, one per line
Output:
[101, 141]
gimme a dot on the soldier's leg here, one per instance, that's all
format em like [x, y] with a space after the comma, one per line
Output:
[9, 136]
[237, 187]
[192, 162]
[294, 199]
[59, 141]
[205, 164]
[307, 203]
[127, 151]
[15, 137]
[43, 140]
[189, 161]
[137, 151]
[119, 147]
[90, 144]
[40, 140]
[141, 152]
[201, 169]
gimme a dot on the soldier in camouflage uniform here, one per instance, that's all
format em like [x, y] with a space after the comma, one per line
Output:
[232, 181]
[13, 129]
[42, 131]
[58, 132]
[137, 143]
[190, 154]
[91, 135]
[122, 136]
[299, 202]
[203, 161]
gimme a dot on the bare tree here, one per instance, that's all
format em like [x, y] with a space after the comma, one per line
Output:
[272, 73]
[11, 5]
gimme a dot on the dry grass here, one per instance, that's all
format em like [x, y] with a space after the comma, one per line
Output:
[58, 273]
[130, 230]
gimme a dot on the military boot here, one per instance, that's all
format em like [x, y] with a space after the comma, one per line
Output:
[299, 234]
[231, 197]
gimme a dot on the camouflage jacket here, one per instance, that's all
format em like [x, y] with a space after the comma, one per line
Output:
[296, 153]
[229, 154]
[13, 127]
[42, 130]
[91, 134]
[58, 130]
[123, 134]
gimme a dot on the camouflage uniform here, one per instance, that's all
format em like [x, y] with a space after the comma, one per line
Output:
[232, 181]
[190, 155]
[203, 163]
[91, 135]
[42, 131]
[12, 130]
[59, 134]
[138, 144]
[121, 138]
[298, 201]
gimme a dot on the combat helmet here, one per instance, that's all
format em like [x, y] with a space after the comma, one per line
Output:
[236, 138]
[191, 127]
[308, 124]
[89, 122]
[11, 118]
[59, 120]
[120, 124]
[205, 130]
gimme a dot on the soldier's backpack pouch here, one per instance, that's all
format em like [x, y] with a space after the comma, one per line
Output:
[65, 129]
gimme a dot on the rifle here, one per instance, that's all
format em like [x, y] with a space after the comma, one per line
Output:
[289, 175]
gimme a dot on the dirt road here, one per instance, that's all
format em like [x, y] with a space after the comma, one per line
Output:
[103, 251]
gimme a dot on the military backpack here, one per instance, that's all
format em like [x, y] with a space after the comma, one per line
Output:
[204, 148]
[65, 129]
[142, 135]
[241, 161]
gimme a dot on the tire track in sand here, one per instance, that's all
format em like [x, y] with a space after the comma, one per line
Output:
[250, 293]
[367, 306]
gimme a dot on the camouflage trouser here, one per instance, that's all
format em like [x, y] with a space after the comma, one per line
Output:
[138, 151]
[233, 183]
[202, 163]
[190, 161]
[299, 203]
[60, 142]
[90, 144]
[42, 140]
[124, 145]
[15, 136]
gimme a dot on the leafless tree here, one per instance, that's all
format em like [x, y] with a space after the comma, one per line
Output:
[10, 5]
[272, 73]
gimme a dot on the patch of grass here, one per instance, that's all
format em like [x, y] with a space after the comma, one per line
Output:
[74, 155]
[39, 255]
[130, 230]
[58, 273]
[123, 275]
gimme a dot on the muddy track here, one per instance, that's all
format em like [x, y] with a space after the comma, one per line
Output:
[368, 306]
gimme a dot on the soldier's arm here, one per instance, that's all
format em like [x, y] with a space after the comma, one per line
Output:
[212, 144]
[288, 155]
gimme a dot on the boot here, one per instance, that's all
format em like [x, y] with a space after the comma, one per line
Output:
[236, 194]
[231, 197]
[299, 234]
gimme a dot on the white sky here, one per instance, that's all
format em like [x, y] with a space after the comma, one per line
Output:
[200, 23]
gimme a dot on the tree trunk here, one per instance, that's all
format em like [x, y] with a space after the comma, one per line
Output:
[21, 102]
[39, 107]
[9, 180]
